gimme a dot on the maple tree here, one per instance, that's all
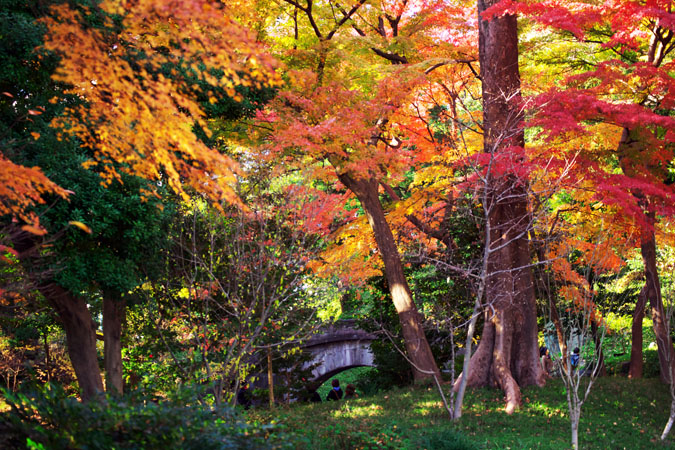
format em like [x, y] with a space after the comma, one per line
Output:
[25, 80]
[631, 91]
[341, 111]
[352, 150]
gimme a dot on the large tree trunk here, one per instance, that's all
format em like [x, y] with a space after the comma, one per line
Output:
[80, 337]
[114, 309]
[507, 355]
[417, 347]
[72, 312]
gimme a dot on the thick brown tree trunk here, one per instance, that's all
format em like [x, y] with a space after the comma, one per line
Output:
[636, 364]
[80, 337]
[72, 312]
[507, 355]
[417, 346]
[114, 309]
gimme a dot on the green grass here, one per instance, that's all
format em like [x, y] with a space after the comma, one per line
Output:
[620, 414]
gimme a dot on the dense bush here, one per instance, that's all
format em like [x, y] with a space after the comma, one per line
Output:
[50, 419]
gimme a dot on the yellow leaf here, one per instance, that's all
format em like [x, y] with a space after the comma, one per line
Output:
[34, 230]
[81, 226]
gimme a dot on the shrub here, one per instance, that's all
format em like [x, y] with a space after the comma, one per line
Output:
[651, 366]
[447, 439]
[50, 419]
[348, 436]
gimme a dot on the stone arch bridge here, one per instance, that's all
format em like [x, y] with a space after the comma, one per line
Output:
[338, 347]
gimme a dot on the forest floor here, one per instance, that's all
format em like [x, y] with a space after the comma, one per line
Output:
[619, 414]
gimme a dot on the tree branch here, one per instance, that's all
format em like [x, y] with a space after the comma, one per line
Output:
[423, 227]
[347, 15]
[396, 59]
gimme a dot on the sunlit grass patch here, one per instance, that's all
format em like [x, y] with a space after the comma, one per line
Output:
[351, 410]
[546, 409]
[426, 408]
[620, 414]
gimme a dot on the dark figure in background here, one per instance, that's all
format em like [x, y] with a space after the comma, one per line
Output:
[350, 392]
[574, 359]
[310, 394]
[546, 361]
[244, 397]
[314, 397]
[335, 393]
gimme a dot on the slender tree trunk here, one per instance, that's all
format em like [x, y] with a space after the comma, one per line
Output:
[507, 355]
[601, 370]
[632, 143]
[574, 423]
[653, 293]
[560, 333]
[417, 346]
[461, 382]
[48, 363]
[671, 416]
[671, 419]
[636, 363]
[270, 377]
[114, 310]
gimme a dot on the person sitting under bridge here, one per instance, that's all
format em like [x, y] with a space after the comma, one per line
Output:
[350, 392]
[336, 392]
[310, 394]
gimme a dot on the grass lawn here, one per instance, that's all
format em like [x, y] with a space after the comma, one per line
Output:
[620, 414]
